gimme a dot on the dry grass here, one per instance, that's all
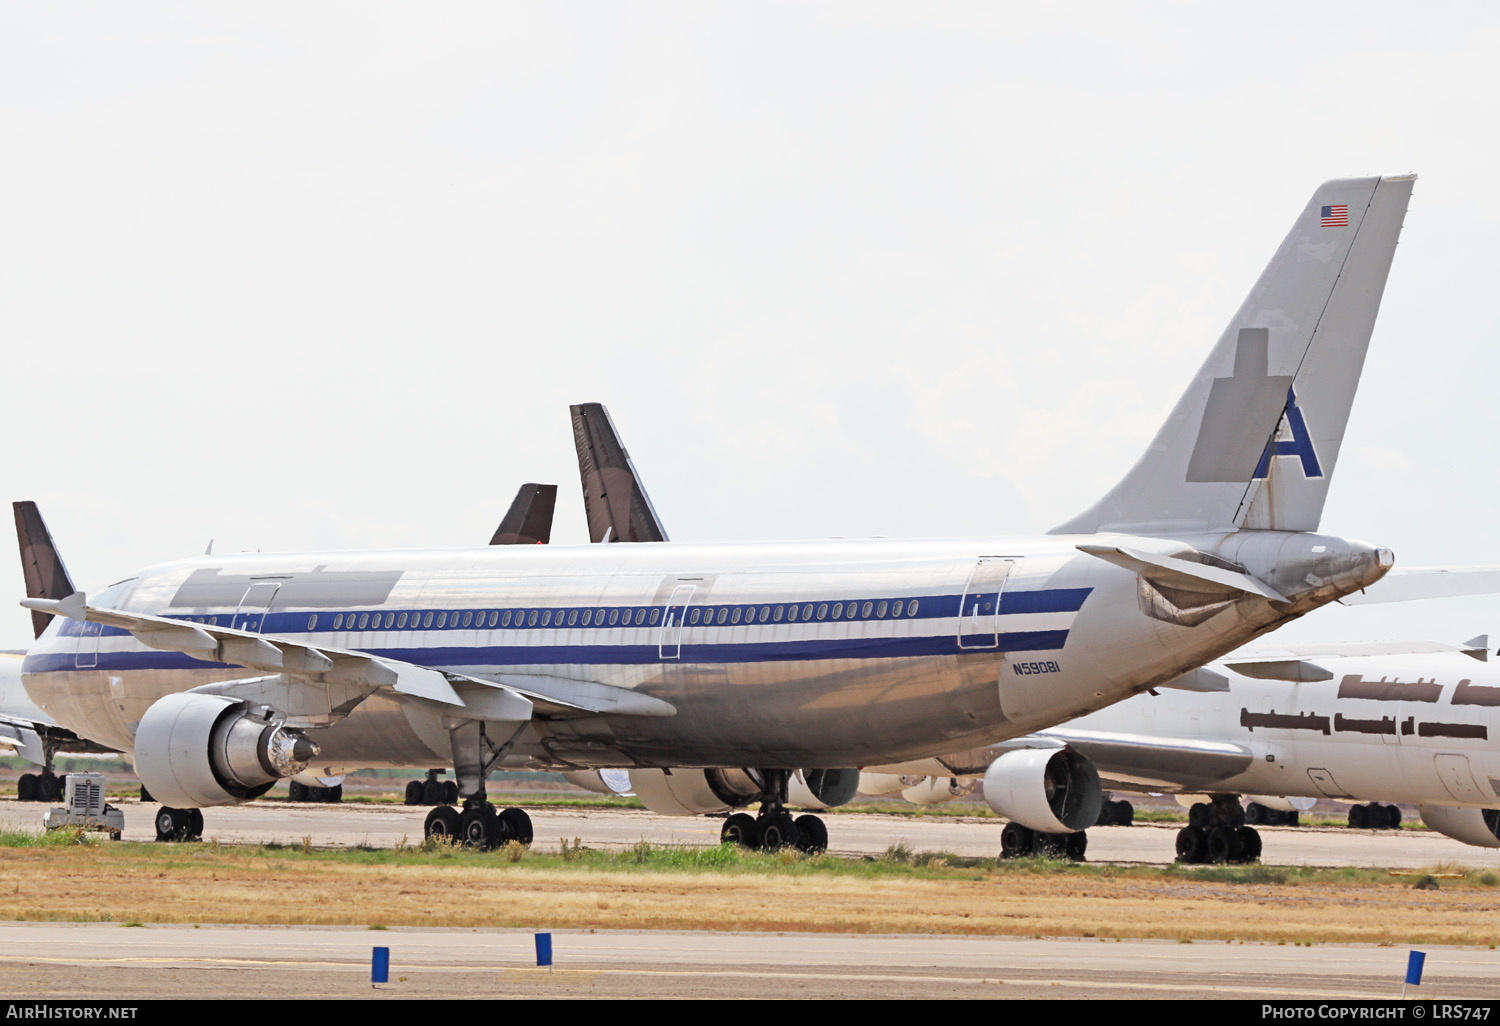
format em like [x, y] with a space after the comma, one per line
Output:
[721, 889]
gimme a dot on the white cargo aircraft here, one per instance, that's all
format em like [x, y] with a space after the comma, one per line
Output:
[224, 674]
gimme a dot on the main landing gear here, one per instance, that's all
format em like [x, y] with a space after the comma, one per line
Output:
[45, 786]
[479, 825]
[774, 827]
[1374, 816]
[1216, 832]
[1017, 841]
[179, 824]
[1257, 814]
[296, 791]
[432, 791]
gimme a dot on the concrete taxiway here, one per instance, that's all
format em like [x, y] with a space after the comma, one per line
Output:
[44, 960]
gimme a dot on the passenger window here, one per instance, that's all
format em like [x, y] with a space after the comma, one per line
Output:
[695, 616]
[505, 618]
[531, 618]
[390, 618]
[588, 617]
[655, 616]
[427, 620]
[896, 609]
[880, 611]
[869, 607]
[838, 610]
[468, 617]
[494, 617]
[791, 614]
[807, 611]
[765, 613]
[572, 617]
[640, 617]
[911, 610]
[312, 622]
[723, 614]
[442, 619]
[213, 621]
[822, 610]
[614, 617]
[546, 617]
[338, 620]
[599, 618]
[364, 618]
[401, 621]
[735, 616]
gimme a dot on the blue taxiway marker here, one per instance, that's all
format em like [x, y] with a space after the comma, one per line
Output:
[543, 950]
[380, 965]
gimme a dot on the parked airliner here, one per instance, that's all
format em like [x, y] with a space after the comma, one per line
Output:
[226, 673]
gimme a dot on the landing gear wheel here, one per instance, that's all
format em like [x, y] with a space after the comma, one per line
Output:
[442, 823]
[1223, 844]
[50, 788]
[1392, 818]
[1051, 846]
[27, 788]
[432, 792]
[413, 792]
[480, 828]
[740, 829]
[1249, 839]
[333, 795]
[1106, 815]
[517, 825]
[1192, 845]
[450, 791]
[776, 831]
[177, 824]
[812, 835]
[1255, 814]
[1359, 817]
[1201, 815]
[195, 825]
[1015, 841]
[1124, 813]
[296, 791]
[1075, 845]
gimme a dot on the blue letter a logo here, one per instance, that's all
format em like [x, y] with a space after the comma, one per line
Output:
[1299, 445]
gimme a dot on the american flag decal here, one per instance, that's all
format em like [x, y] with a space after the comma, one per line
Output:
[1336, 216]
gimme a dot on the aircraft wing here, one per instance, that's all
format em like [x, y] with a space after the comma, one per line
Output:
[1168, 764]
[285, 656]
[1428, 582]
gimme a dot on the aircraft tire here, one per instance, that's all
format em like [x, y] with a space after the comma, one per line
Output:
[172, 824]
[1124, 813]
[1192, 845]
[1359, 817]
[517, 825]
[1015, 841]
[812, 835]
[194, 825]
[1201, 815]
[776, 831]
[1255, 814]
[449, 791]
[739, 829]
[1249, 839]
[296, 791]
[480, 828]
[26, 788]
[333, 795]
[1076, 845]
[442, 823]
[50, 787]
[1223, 844]
[413, 792]
[1106, 815]
[1392, 818]
[432, 792]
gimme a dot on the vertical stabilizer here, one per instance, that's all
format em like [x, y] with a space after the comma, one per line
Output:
[618, 508]
[529, 519]
[1254, 440]
[46, 577]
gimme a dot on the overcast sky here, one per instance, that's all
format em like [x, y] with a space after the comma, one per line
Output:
[325, 275]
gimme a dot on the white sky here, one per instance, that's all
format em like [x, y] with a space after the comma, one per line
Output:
[325, 275]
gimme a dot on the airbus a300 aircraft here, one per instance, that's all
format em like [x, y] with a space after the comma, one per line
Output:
[224, 674]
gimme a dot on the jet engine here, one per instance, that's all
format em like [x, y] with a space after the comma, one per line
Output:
[1053, 790]
[698, 792]
[194, 750]
[1479, 827]
[937, 790]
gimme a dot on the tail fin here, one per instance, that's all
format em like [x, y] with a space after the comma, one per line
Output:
[1254, 440]
[618, 508]
[529, 519]
[46, 577]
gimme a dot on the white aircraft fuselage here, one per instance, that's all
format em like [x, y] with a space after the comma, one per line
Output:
[833, 653]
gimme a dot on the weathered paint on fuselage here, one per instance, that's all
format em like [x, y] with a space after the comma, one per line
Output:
[797, 687]
[1420, 728]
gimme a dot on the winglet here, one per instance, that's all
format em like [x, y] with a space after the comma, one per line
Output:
[529, 519]
[46, 576]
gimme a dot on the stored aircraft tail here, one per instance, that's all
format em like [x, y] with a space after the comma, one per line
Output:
[529, 519]
[1253, 442]
[46, 577]
[617, 506]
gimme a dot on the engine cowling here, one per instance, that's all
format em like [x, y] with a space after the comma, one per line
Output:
[1054, 790]
[1479, 827]
[700, 792]
[194, 750]
[602, 781]
[937, 790]
[822, 788]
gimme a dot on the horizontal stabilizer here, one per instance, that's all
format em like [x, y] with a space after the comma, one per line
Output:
[1202, 679]
[1477, 648]
[1172, 570]
[1410, 584]
[1163, 763]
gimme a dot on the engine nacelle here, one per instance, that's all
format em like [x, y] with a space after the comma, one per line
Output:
[1479, 827]
[1054, 790]
[822, 788]
[602, 781]
[937, 790]
[700, 792]
[194, 750]
[1283, 803]
[878, 784]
